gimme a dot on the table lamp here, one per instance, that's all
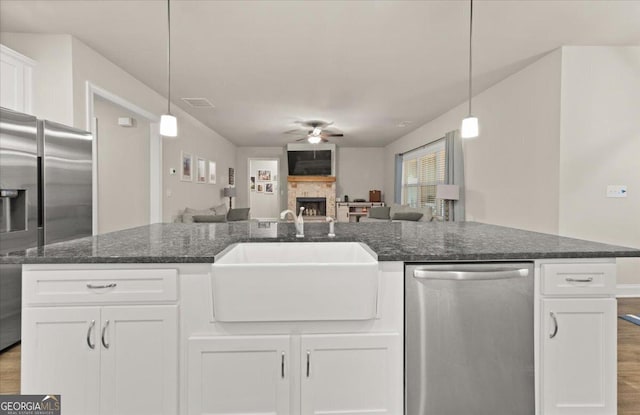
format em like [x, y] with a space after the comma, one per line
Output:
[229, 192]
[449, 193]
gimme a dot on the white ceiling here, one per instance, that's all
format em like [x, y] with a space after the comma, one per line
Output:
[365, 65]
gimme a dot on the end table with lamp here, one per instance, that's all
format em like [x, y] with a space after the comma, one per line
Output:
[229, 192]
[448, 193]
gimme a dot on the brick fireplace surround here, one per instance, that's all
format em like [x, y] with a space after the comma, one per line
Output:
[312, 186]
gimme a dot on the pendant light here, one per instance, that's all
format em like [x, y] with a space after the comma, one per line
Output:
[168, 123]
[470, 127]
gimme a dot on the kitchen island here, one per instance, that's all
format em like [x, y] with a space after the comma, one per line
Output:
[125, 323]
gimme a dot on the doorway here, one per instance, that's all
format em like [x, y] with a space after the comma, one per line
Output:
[264, 188]
[123, 167]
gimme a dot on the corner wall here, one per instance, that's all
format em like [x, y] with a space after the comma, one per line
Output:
[359, 170]
[193, 136]
[511, 170]
[599, 146]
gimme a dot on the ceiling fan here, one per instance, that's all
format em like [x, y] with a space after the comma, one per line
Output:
[315, 131]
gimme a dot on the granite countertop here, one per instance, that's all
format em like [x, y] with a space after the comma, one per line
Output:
[397, 241]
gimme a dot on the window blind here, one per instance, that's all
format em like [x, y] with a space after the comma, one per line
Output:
[422, 170]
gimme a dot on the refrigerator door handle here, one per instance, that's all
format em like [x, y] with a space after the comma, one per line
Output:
[452, 275]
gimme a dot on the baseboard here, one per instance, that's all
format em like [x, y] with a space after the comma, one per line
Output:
[628, 290]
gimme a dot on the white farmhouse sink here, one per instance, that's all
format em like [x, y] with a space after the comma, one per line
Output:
[295, 281]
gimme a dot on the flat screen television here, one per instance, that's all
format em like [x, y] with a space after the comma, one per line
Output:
[309, 162]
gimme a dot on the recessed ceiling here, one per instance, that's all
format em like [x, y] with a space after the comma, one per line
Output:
[377, 69]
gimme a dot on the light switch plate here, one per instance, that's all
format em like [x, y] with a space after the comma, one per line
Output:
[617, 190]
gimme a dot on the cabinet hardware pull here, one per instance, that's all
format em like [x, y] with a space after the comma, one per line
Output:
[555, 325]
[282, 366]
[104, 329]
[91, 326]
[308, 360]
[588, 279]
[95, 287]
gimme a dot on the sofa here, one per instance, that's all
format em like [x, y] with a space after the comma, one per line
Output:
[397, 213]
[214, 214]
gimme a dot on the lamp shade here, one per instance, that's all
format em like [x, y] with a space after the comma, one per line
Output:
[168, 125]
[448, 192]
[229, 192]
[469, 127]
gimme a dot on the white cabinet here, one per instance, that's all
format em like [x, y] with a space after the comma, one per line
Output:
[61, 355]
[578, 338]
[362, 364]
[239, 375]
[100, 338]
[578, 353]
[109, 360]
[16, 74]
[336, 374]
[139, 360]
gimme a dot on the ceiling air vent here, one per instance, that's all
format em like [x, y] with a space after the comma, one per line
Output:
[198, 102]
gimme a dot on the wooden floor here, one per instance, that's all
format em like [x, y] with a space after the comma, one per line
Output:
[628, 362]
[10, 371]
[628, 359]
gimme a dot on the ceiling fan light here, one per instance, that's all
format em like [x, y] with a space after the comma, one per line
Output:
[314, 139]
[168, 125]
[470, 128]
[316, 131]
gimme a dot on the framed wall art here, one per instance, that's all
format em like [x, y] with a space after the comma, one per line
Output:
[232, 176]
[201, 176]
[186, 166]
[212, 172]
[264, 175]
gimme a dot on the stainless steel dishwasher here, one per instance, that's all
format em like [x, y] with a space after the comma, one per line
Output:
[469, 339]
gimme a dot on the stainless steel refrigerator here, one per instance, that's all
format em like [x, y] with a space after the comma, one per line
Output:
[45, 197]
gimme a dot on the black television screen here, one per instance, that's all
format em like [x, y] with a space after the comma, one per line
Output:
[309, 163]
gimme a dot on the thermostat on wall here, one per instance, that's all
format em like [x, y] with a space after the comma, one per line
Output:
[617, 190]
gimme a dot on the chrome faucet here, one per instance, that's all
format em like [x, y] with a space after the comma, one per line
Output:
[299, 222]
[332, 233]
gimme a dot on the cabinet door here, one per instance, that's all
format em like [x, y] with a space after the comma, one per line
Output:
[579, 356]
[239, 375]
[61, 355]
[139, 360]
[342, 213]
[351, 374]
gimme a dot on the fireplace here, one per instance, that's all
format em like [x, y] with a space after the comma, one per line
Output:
[313, 206]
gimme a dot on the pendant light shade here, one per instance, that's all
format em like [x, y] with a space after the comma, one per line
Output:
[470, 127]
[168, 123]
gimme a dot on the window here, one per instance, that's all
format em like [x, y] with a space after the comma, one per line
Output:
[422, 170]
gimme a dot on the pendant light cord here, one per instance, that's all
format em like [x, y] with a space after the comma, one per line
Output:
[169, 56]
[470, 49]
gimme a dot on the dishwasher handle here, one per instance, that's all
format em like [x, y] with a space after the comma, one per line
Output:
[453, 275]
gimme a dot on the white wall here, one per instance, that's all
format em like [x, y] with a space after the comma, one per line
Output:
[600, 145]
[68, 63]
[52, 76]
[511, 170]
[359, 170]
[193, 136]
[123, 193]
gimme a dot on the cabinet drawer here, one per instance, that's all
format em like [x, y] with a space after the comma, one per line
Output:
[578, 279]
[99, 286]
